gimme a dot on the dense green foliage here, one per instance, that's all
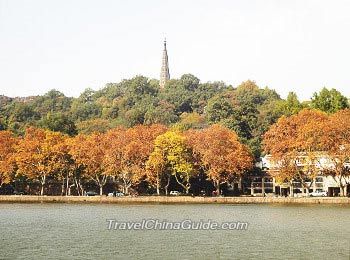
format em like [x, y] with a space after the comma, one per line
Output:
[184, 103]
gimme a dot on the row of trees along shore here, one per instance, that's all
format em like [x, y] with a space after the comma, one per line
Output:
[151, 154]
[155, 154]
[252, 113]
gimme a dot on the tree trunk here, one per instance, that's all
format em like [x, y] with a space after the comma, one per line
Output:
[307, 187]
[70, 189]
[291, 193]
[217, 186]
[126, 188]
[80, 188]
[63, 187]
[67, 186]
[101, 190]
[43, 181]
[42, 189]
[308, 191]
[158, 187]
[167, 186]
[342, 185]
[186, 186]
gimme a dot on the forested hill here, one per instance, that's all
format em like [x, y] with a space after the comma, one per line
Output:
[185, 103]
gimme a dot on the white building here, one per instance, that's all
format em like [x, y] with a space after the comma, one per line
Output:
[267, 185]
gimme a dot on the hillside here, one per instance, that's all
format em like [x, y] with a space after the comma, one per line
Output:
[185, 102]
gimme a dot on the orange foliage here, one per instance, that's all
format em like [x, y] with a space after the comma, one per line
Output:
[129, 150]
[310, 136]
[218, 151]
[37, 156]
[7, 160]
[300, 133]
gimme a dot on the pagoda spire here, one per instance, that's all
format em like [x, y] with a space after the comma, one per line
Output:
[164, 74]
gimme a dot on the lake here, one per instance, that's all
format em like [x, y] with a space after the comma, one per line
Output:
[80, 231]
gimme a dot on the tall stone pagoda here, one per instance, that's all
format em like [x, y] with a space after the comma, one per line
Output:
[164, 74]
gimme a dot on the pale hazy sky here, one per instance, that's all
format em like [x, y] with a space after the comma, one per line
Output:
[71, 45]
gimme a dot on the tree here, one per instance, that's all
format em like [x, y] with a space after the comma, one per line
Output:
[171, 157]
[157, 172]
[90, 154]
[178, 93]
[248, 110]
[128, 152]
[291, 105]
[294, 143]
[189, 82]
[59, 122]
[204, 92]
[163, 113]
[53, 101]
[76, 168]
[62, 163]
[219, 153]
[329, 101]
[7, 160]
[192, 118]
[336, 146]
[139, 87]
[91, 126]
[218, 109]
[36, 156]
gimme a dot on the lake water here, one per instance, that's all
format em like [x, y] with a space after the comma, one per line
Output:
[80, 231]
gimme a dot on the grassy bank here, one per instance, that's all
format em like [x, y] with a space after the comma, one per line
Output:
[173, 199]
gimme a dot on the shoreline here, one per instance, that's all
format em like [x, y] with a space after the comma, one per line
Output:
[171, 200]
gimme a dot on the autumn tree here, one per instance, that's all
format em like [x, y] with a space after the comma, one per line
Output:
[71, 172]
[141, 145]
[115, 157]
[7, 151]
[138, 149]
[157, 171]
[89, 154]
[335, 144]
[76, 174]
[171, 157]
[36, 156]
[219, 153]
[294, 143]
[128, 152]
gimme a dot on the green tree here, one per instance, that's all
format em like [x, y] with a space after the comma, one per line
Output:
[178, 93]
[59, 122]
[329, 101]
[52, 101]
[291, 105]
[218, 109]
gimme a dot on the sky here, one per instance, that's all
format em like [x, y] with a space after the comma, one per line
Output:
[289, 45]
